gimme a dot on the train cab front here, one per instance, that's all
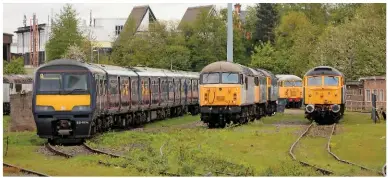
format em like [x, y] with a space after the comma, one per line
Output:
[62, 103]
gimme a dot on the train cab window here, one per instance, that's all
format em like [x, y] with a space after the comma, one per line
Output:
[288, 83]
[211, 78]
[298, 83]
[314, 81]
[50, 82]
[331, 81]
[76, 82]
[228, 77]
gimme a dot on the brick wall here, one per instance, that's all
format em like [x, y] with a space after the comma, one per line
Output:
[21, 113]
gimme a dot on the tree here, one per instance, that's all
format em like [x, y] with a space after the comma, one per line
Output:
[15, 66]
[74, 52]
[267, 18]
[64, 32]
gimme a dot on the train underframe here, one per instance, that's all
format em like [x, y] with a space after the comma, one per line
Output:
[220, 116]
[324, 114]
[75, 128]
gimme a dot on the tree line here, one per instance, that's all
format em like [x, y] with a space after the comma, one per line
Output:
[284, 38]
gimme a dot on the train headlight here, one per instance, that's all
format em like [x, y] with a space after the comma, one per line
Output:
[44, 108]
[310, 108]
[235, 96]
[81, 108]
[335, 108]
[205, 96]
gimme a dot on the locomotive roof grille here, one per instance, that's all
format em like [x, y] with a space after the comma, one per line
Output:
[324, 70]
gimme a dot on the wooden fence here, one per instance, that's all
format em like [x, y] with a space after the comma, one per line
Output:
[363, 106]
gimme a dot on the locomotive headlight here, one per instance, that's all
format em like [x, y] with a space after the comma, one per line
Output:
[44, 108]
[81, 108]
[235, 96]
[205, 96]
[310, 108]
[335, 108]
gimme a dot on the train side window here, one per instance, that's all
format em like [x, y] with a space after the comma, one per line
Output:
[18, 87]
[257, 81]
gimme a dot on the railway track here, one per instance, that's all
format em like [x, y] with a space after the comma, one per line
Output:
[345, 161]
[23, 170]
[322, 170]
[328, 149]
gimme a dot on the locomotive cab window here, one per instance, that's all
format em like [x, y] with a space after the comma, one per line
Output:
[210, 78]
[331, 81]
[298, 83]
[228, 77]
[314, 81]
[18, 87]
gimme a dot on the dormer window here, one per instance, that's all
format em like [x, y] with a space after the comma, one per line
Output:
[118, 29]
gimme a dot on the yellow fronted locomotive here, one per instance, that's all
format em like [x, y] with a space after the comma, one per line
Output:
[324, 94]
[290, 89]
[235, 93]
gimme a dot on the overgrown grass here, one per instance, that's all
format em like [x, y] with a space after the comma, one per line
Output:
[259, 148]
[357, 140]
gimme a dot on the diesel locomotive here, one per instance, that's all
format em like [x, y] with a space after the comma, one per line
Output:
[290, 89]
[324, 94]
[233, 93]
[75, 100]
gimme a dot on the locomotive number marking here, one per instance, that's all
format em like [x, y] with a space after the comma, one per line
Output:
[82, 122]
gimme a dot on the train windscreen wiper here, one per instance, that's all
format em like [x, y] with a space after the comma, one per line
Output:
[75, 89]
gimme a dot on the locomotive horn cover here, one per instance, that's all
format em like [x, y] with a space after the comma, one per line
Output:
[336, 108]
[310, 108]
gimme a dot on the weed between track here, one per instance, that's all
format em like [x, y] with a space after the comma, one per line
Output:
[184, 146]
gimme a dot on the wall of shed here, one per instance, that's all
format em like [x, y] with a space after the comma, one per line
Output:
[21, 113]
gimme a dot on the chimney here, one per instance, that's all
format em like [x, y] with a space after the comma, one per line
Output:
[237, 8]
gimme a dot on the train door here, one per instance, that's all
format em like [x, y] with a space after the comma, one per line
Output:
[269, 89]
[119, 101]
[159, 85]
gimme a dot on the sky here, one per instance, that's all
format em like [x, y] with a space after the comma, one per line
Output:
[13, 14]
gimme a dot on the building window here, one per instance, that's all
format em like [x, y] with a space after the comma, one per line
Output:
[360, 91]
[368, 95]
[377, 95]
[118, 29]
[381, 95]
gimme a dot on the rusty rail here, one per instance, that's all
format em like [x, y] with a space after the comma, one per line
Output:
[322, 170]
[345, 161]
[25, 170]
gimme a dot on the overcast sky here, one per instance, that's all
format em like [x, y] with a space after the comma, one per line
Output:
[13, 13]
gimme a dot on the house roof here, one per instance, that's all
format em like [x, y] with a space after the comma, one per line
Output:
[372, 78]
[192, 13]
[138, 13]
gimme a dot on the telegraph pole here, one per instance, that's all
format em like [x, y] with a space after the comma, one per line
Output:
[230, 34]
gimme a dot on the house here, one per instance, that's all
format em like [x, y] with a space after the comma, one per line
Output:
[7, 41]
[142, 17]
[105, 31]
[192, 14]
[359, 93]
[375, 85]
